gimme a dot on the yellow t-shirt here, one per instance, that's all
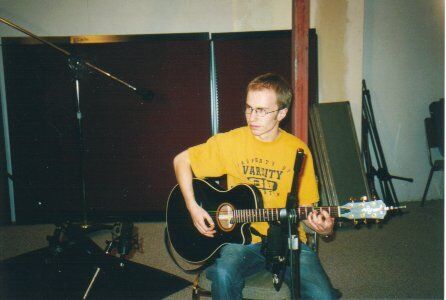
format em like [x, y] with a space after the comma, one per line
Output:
[267, 165]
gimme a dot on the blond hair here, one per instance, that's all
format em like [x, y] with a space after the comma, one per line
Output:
[276, 83]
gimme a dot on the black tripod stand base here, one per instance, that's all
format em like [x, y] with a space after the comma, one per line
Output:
[39, 275]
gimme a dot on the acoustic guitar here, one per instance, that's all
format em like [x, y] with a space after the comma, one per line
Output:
[233, 210]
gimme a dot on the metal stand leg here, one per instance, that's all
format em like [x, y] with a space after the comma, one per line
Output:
[111, 245]
[92, 281]
[431, 173]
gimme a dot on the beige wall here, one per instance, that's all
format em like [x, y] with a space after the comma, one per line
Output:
[80, 17]
[404, 69]
[339, 25]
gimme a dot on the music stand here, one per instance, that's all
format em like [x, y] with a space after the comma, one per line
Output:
[370, 136]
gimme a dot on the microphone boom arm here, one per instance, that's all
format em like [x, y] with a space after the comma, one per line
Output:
[146, 95]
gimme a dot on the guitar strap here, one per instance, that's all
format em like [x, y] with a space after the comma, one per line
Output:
[172, 256]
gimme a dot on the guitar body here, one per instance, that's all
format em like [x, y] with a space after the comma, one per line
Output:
[187, 241]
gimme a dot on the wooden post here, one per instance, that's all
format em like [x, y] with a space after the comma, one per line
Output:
[299, 68]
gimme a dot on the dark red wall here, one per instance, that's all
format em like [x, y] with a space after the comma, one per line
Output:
[240, 57]
[129, 144]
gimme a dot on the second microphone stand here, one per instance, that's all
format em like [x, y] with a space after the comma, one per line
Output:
[78, 66]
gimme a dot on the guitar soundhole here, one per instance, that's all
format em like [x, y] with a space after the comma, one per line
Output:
[225, 213]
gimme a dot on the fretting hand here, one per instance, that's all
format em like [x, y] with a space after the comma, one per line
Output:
[321, 222]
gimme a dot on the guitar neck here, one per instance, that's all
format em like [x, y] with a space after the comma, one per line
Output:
[278, 214]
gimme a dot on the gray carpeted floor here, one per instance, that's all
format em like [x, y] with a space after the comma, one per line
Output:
[399, 258]
[402, 258]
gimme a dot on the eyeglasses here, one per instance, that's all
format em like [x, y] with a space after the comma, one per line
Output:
[260, 112]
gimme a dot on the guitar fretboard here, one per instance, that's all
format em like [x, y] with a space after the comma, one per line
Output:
[276, 214]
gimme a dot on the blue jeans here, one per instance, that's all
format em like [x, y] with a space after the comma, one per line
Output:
[236, 262]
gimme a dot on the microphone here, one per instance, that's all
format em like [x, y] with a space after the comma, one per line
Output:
[146, 95]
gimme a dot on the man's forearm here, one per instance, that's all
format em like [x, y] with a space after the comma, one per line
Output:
[184, 176]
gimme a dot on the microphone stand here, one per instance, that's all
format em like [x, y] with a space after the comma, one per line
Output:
[288, 252]
[290, 222]
[77, 66]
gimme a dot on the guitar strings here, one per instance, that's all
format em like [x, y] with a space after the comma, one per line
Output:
[299, 210]
[250, 214]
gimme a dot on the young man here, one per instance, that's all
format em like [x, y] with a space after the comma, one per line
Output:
[261, 154]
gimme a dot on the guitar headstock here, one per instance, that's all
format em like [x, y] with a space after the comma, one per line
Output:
[365, 209]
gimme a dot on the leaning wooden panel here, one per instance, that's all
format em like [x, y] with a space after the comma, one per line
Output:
[341, 157]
